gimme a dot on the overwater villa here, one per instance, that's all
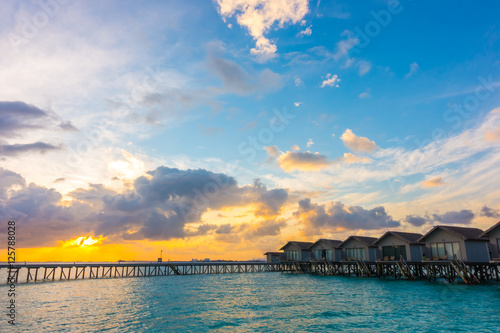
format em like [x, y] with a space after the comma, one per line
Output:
[493, 234]
[326, 249]
[440, 243]
[452, 243]
[359, 248]
[395, 245]
[274, 257]
[297, 251]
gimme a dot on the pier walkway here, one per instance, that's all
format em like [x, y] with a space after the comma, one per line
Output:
[447, 270]
[470, 273]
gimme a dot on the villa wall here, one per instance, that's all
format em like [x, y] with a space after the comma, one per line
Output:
[493, 245]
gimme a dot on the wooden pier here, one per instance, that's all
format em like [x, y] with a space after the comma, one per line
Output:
[450, 271]
[80, 271]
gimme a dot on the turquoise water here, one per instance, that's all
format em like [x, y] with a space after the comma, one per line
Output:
[259, 302]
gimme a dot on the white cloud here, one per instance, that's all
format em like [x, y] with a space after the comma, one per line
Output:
[259, 16]
[413, 69]
[467, 161]
[331, 81]
[358, 143]
[364, 94]
[345, 45]
[310, 143]
[297, 104]
[298, 82]
[364, 67]
[349, 62]
[306, 32]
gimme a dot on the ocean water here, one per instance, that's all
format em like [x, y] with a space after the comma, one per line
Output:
[258, 302]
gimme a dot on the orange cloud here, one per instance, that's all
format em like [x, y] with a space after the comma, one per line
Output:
[492, 135]
[303, 161]
[433, 182]
[358, 144]
[297, 160]
[350, 158]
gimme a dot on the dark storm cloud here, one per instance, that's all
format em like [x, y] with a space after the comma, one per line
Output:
[168, 199]
[224, 229]
[452, 217]
[15, 116]
[460, 217]
[202, 229]
[16, 149]
[182, 196]
[338, 215]
[271, 202]
[417, 221]
[41, 218]
[489, 212]
[8, 179]
[160, 206]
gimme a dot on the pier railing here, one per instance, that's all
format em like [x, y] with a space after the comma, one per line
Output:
[470, 273]
[450, 271]
[79, 271]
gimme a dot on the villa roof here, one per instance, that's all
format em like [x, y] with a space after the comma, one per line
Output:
[408, 237]
[368, 241]
[273, 253]
[487, 232]
[300, 245]
[462, 232]
[332, 242]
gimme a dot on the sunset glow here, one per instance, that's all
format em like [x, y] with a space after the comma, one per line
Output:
[83, 241]
[127, 130]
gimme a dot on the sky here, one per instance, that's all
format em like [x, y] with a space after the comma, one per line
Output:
[223, 129]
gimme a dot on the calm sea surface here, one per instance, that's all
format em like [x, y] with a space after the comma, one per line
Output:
[259, 302]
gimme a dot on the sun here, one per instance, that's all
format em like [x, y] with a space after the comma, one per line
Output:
[83, 241]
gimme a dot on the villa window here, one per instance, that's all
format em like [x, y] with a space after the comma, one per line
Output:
[329, 255]
[394, 252]
[359, 254]
[446, 250]
[318, 254]
[292, 255]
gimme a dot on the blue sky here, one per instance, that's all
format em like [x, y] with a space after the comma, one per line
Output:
[350, 106]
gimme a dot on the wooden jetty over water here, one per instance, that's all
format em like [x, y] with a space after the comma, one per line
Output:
[450, 271]
[79, 271]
